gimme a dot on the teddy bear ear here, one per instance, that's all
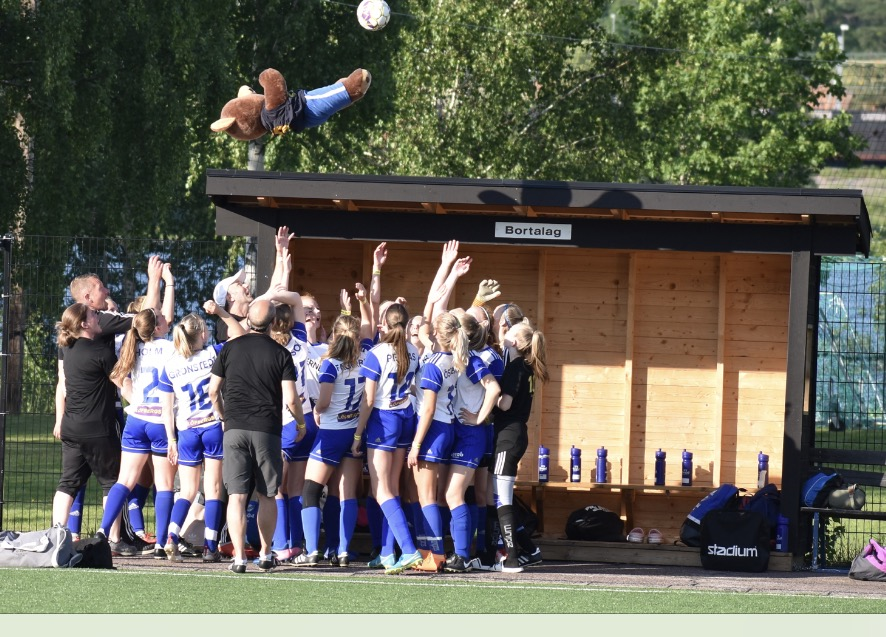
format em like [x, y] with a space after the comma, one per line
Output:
[223, 124]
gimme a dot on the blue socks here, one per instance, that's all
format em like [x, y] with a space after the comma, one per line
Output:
[296, 530]
[375, 517]
[310, 519]
[397, 522]
[461, 530]
[179, 513]
[75, 517]
[434, 523]
[113, 505]
[348, 524]
[332, 521]
[163, 510]
[281, 531]
[212, 517]
[135, 504]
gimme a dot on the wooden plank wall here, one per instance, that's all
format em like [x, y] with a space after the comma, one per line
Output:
[646, 350]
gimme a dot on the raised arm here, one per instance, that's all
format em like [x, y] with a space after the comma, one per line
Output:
[235, 329]
[461, 268]
[366, 324]
[450, 254]
[379, 257]
[281, 241]
[155, 272]
[168, 309]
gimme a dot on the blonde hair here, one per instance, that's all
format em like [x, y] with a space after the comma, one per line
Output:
[81, 284]
[70, 326]
[453, 337]
[142, 331]
[136, 305]
[474, 330]
[530, 344]
[187, 334]
[345, 342]
[396, 318]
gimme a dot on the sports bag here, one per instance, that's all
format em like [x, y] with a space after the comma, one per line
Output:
[766, 501]
[819, 486]
[595, 523]
[735, 541]
[870, 564]
[95, 552]
[723, 497]
[52, 548]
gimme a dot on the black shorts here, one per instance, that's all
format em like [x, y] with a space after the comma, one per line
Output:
[252, 458]
[511, 442]
[89, 456]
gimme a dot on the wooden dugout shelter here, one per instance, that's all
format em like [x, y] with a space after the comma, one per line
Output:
[676, 317]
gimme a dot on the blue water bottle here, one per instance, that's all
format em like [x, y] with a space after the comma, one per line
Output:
[660, 467]
[687, 469]
[601, 465]
[781, 534]
[575, 465]
[762, 470]
[544, 455]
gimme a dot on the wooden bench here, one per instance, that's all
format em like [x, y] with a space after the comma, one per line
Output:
[628, 494]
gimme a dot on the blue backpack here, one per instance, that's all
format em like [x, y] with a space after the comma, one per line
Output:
[819, 486]
[766, 501]
[723, 498]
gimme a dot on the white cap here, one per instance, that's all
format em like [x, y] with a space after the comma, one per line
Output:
[220, 293]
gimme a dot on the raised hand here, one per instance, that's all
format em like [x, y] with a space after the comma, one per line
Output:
[450, 252]
[488, 290]
[462, 266]
[283, 238]
[380, 255]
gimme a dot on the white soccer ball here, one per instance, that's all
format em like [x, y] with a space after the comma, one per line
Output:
[373, 15]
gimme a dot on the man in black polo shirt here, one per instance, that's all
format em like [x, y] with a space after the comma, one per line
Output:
[259, 378]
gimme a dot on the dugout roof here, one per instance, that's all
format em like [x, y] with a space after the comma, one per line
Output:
[542, 213]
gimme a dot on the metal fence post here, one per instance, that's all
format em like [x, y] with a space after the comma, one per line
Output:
[6, 246]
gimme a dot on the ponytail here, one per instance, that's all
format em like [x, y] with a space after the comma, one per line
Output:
[530, 344]
[186, 335]
[142, 331]
[396, 318]
[70, 326]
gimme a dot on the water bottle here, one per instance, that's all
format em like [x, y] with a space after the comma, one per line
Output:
[544, 455]
[687, 469]
[601, 465]
[762, 470]
[660, 467]
[575, 465]
[781, 534]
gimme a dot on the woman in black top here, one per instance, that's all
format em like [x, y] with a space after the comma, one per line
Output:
[525, 349]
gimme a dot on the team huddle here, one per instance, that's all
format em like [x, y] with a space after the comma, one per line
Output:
[281, 421]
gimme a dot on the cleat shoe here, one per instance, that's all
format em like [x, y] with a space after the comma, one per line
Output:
[507, 566]
[266, 563]
[210, 557]
[386, 562]
[477, 564]
[147, 537]
[122, 549]
[142, 547]
[238, 568]
[455, 563]
[529, 559]
[344, 560]
[432, 563]
[406, 561]
[307, 559]
[159, 554]
[376, 553]
[188, 550]
[333, 559]
[172, 551]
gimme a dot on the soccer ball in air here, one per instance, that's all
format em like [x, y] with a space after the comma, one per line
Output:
[373, 15]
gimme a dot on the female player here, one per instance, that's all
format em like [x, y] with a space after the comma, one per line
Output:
[476, 393]
[142, 357]
[198, 442]
[526, 367]
[388, 419]
[337, 415]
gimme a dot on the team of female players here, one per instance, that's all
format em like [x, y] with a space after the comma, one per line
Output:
[424, 403]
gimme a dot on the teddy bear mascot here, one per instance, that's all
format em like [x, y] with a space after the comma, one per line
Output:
[250, 115]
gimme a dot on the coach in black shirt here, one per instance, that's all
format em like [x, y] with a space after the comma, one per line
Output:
[259, 378]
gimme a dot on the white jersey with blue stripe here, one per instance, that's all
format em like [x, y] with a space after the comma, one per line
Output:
[469, 391]
[307, 368]
[150, 359]
[493, 360]
[438, 374]
[380, 365]
[343, 411]
[188, 379]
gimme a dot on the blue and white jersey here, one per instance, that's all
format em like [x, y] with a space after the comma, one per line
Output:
[439, 375]
[150, 359]
[380, 365]
[307, 368]
[343, 411]
[469, 392]
[188, 379]
[493, 360]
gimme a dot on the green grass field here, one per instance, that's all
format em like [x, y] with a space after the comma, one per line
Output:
[179, 592]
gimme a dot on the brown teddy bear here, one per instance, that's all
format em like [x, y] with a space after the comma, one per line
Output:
[250, 115]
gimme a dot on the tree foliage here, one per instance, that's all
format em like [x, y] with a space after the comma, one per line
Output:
[115, 99]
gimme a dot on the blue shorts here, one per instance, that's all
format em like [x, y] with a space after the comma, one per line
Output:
[197, 443]
[437, 445]
[323, 103]
[299, 451]
[486, 460]
[468, 445]
[390, 429]
[141, 436]
[332, 445]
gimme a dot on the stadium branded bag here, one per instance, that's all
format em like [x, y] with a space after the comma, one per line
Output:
[870, 564]
[595, 524]
[724, 497]
[766, 501]
[735, 541]
[819, 486]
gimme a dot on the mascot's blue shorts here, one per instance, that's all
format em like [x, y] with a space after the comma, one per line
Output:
[323, 103]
